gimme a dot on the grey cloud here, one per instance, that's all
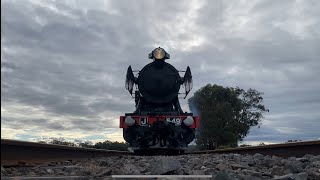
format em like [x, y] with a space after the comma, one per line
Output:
[91, 125]
[17, 123]
[8, 65]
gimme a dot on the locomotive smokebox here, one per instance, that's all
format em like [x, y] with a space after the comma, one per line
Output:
[159, 82]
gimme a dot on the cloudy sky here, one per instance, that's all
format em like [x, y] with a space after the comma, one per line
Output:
[63, 63]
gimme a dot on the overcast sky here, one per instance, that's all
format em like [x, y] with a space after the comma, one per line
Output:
[63, 63]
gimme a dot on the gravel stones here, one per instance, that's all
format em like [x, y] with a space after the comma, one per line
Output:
[50, 171]
[131, 169]
[220, 166]
[237, 166]
[258, 156]
[222, 175]
[300, 176]
[105, 161]
[276, 170]
[166, 165]
[223, 166]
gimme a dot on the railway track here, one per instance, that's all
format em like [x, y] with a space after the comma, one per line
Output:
[27, 153]
[292, 149]
[15, 152]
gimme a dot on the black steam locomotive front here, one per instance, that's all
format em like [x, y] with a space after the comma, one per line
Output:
[158, 121]
[159, 82]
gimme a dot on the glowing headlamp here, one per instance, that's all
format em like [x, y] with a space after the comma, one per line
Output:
[159, 54]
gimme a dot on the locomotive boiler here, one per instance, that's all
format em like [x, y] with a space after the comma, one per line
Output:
[158, 121]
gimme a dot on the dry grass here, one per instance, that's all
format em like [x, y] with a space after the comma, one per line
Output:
[91, 166]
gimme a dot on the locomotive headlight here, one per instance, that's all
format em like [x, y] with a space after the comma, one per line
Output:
[129, 121]
[188, 121]
[159, 53]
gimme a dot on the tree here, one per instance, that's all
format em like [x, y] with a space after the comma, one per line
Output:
[59, 142]
[111, 145]
[86, 145]
[226, 114]
[244, 145]
[293, 141]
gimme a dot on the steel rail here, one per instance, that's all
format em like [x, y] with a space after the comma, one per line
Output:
[292, 149]
[15, 152]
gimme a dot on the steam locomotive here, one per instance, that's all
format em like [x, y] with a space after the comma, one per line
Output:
[158, 123]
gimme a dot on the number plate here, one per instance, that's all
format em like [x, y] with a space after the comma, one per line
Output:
[143, 121]
[176, 121]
